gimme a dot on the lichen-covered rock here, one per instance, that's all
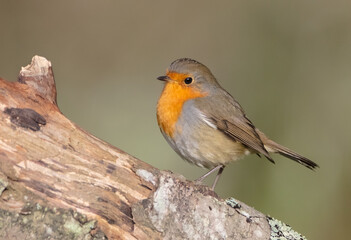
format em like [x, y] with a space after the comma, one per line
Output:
[181, 210]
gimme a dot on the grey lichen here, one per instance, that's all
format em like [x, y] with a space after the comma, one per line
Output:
[233, 202]
[279, 230]
[282, 231]
[237, 206]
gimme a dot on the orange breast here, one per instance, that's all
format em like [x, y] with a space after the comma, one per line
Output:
[170, 104]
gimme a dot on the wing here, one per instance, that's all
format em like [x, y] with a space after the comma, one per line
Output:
[243, 132]
[230, 118]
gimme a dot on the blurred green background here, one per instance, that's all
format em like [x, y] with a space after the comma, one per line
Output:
[286, 62]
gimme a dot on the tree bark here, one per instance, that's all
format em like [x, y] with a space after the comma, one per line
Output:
[57, 181]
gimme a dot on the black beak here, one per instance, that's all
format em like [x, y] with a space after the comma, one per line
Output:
[163, 78]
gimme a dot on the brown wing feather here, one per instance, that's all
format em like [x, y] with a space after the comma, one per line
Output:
[243, 132]
[229, 117]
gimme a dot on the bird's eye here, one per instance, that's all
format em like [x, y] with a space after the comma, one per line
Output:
[188, 80]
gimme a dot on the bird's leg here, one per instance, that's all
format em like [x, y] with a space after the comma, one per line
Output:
[220, 167]
[217, 177]
[200, 179]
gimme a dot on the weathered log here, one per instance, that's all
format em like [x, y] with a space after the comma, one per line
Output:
[59, 182]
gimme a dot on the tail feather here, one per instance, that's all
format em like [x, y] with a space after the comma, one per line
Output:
[294, 156]
[274, 147]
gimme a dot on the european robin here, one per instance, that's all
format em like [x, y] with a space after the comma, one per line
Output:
[205, 125]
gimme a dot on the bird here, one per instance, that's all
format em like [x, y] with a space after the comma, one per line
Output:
[205, 125]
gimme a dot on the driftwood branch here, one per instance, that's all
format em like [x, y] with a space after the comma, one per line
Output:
[59, 182]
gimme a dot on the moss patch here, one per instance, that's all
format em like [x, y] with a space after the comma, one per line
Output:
[40, 222]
